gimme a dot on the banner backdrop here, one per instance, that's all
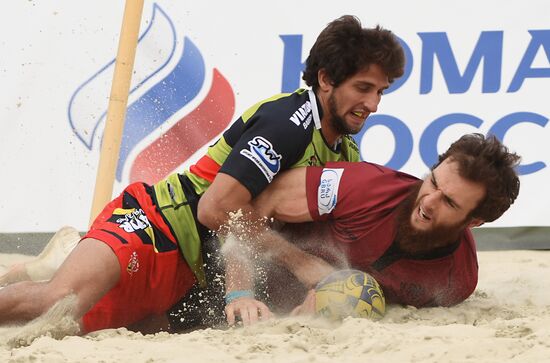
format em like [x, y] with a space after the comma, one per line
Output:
[472, 66]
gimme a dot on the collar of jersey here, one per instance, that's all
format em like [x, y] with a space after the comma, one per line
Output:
[317, 119]
[314, 109]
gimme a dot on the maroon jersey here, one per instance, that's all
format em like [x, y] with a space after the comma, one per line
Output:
[359, 202]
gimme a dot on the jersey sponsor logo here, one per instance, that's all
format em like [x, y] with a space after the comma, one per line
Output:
[307, 121]
[327, 193]
[134, 221]
[262, 154]
[302, 115]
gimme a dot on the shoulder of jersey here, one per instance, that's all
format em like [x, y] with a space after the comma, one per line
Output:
[291, 111]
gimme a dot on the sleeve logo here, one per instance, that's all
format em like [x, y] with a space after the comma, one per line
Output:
[327, 194]
[262, 154]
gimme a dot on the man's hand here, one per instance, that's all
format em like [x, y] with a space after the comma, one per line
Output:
[307, 307]
[249, 309]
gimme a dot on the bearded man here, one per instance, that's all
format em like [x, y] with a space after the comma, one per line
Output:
[413, 236]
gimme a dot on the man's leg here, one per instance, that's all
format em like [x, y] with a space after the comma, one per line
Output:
[43, 266]
[89, 272]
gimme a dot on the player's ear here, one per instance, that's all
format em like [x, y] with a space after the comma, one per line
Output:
[475, 222]
[325, 83]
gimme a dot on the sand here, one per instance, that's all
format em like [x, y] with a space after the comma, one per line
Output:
[507, 319]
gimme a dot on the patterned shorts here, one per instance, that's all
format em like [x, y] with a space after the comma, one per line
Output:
[153, 272]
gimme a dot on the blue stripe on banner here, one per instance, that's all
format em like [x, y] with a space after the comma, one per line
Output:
[162, 101]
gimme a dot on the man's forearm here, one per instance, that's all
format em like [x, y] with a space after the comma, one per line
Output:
[239, 273]
[309, 269]
[268, 244]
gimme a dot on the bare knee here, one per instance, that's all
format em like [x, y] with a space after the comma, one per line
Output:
[89, 272]
[53, 293]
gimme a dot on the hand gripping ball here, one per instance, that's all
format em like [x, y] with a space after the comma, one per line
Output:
[349, 293]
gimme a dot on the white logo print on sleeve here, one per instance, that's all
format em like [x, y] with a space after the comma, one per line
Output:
[327, 193]
[262, 154]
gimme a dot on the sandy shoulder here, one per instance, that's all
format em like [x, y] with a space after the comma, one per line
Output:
[506, 319]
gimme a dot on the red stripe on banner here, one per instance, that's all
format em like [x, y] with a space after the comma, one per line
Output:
[188, 135]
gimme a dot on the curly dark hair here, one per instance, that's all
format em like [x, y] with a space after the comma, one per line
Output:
[344, 48]
[487, 161]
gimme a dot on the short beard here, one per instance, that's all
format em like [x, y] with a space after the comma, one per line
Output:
[417, 242]
[336, 121]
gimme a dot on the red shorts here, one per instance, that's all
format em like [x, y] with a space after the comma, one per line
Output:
[153, 272]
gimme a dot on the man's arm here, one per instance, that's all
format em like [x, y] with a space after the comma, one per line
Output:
[284, 199]
[226, 194]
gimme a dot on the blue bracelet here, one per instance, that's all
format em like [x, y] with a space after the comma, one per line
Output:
[232, 295]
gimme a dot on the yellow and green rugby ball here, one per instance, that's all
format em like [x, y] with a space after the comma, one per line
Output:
[349, 293]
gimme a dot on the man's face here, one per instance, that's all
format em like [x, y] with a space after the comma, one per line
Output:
[445, 199]
[355, 99]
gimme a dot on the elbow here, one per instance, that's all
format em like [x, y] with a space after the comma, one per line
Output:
[209, 215]
[225, 195]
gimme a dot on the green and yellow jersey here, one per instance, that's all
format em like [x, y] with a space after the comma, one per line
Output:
[274, 135]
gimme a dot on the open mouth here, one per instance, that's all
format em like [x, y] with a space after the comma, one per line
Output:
[423, 215]
[359, 114]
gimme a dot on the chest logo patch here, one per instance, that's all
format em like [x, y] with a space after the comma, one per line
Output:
[327, 194]
[262, 154]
